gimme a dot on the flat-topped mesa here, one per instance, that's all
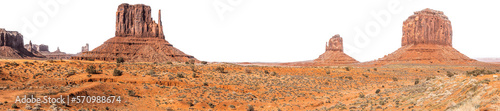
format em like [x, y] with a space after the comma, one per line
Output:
[335, 44]
[12, 39]
[136, 21]
[427, 27]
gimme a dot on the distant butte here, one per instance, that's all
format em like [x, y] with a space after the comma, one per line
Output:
[427, 39]
[334, 53]
[138, 38]
[12, 46]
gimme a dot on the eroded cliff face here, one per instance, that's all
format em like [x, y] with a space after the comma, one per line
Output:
[12, 46]
[335, 44]
[136, 21]
[427, 39]
[11, 38]
[427, 27]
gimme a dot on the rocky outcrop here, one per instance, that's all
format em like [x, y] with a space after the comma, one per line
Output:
[334, 53]
[137, 39]
[12, 39]
[12, 45]
[427, 27]
[426, 40]
[136, 21]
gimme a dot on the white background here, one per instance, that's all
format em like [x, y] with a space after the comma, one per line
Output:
[256, 30]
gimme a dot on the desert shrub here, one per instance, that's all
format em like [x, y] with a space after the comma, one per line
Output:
[186, 62]
[193, 68]
[377, 91]
[449, 74]
[12, 64]
[120, 60]
[232, 106]
[248, 71]
[151, 72]
[361, 95]
[191, 61]
[250, 108]
[487, 81]
[194, 75]
[220, 69]
[347, 68]
[205, 84]
[91, 70]
[89, 75]
[498, 70]
[180, 75]
[365, 75]
[37, 74]
[117, 72]
[89, 59]
[374, 69]
[204, 62]
[169, 62]
[211, 105]
[478, 72]
[395, 79]
[14, 106]
[417, 81]
[49, 69]
[429, 78]
[71, 72]
[51, 61]
[327, 72]
[131, 93]
[266, 72]
[273, 73]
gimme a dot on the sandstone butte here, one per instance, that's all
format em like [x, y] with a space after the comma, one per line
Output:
[12, 46]
[427, 39]
[334, 53]
[138, 38]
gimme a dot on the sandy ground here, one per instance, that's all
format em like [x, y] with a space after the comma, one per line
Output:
[225, 86]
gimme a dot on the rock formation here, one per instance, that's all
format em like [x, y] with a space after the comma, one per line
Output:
[85, 48]
[334, 53]
[136, 21]
[12, 46]
[426, 39]
[138, 38]
[427, 27]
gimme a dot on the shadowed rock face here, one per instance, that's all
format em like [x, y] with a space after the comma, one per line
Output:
[11, 38]
[12, 45]
[136, 21]
[137, 39]
[334, 53]
[427, 27]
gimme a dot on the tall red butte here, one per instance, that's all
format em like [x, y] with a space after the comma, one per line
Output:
[427, 39]
[138, 38]
[334, 53]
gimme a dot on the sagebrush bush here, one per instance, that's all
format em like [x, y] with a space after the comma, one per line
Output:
[120, 60]
[91, 70]
[220, 69]
[347, 68]
[117, 72]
